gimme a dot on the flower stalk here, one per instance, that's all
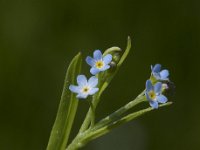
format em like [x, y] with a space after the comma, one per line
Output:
[92, 114]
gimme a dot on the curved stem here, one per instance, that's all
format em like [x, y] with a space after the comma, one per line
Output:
[117, 114]
[92, 134]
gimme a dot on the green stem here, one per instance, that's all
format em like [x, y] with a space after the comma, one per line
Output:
[95, 101]
[92, 114]
[117, 114]
[88, 117]
[95, 133]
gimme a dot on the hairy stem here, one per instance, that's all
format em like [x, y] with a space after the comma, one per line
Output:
[94, 133]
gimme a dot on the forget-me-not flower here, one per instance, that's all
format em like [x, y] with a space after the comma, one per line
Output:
[154, 94]
[158, 73]
[98, 62]
[85, 87]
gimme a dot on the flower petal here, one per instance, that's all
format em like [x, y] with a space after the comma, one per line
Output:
[147, 96]
[94, 71]
[93, 91]
[158, 87]
[106, 67]
[82, 96]
[149, 85]
[97, 54]
[151, 67]
[154, 104]
[90, 61]
[156, 68]
[107, 59]
[93, 81]
[164, 74]
[161, 98]
[81, 80]
[156, 75]
[74, 89]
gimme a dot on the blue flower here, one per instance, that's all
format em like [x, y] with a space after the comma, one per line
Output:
[158, 74]
[154, 94]
[85, 87]
[99, 62]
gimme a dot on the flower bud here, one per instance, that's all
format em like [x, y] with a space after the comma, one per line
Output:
[168, 88]
[116, 57]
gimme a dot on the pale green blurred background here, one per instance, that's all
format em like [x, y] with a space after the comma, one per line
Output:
[39, 38]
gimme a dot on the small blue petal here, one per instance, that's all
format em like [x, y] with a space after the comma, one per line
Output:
[97, 55]
[149, 85]
[154, 104]
[82, 96]
[156, 68]
[158, 87]
[156, 75]
[161, 98]
[105, 67]
[74, 89]
[93, 81]
[94, 71]
[147, 96]
[151, 67]
[90, 61]
[164, 74]
[81, 80]
[107, 59]
[93, 91]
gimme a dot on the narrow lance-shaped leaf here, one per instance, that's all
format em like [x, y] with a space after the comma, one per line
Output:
[67, 108]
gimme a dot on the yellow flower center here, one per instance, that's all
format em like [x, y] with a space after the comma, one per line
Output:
[152, 95]
[99, 64]
[85, 89]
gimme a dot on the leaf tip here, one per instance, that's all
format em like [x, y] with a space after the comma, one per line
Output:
[129, 41]
[79, 53]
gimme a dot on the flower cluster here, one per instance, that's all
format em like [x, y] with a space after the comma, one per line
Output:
[98, 64]
[156, 85]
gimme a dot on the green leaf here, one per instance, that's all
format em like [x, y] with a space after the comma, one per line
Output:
[67, 108]
[126, 52]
